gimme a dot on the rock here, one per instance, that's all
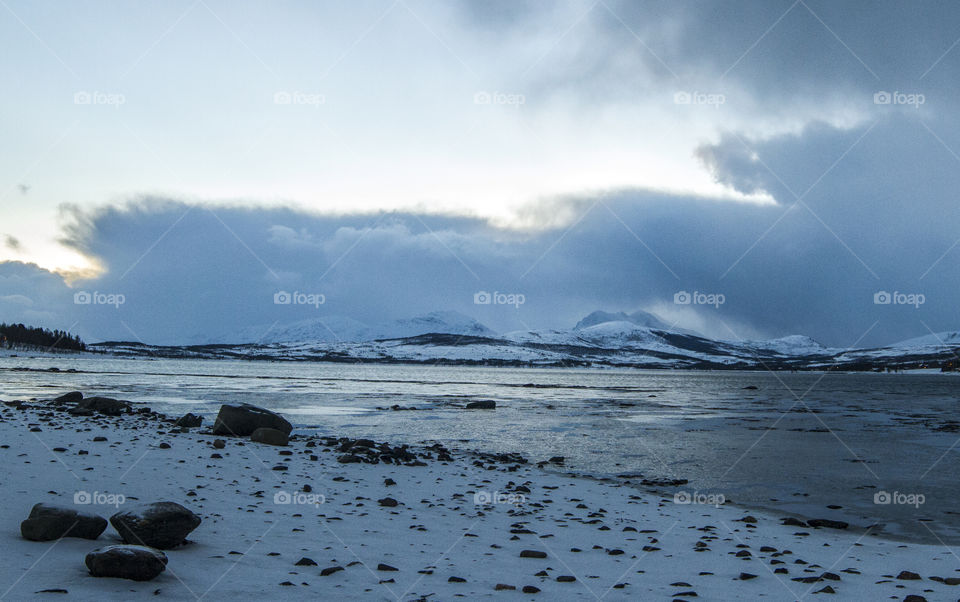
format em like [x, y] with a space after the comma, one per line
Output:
[71, 397]
[388, 482]
[792, 522]
[747, 576]
[557, 460]
[242, 419]
[306, 562]
[826, 522]
[219, 444]
[908, 575]
[189, 421]
[138, 563]
[914, 598]
[388, 502]
[269, 436]
[330, 570]
[456, 580]
[386, 567]
[566, 579]
[349, 459]
[530, 589]
[532, 554]
[101, 405]
[161, 525]
[504, 587]
[47, 522]
[484, 404]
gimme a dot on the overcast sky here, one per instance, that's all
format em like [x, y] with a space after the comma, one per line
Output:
[398, 157]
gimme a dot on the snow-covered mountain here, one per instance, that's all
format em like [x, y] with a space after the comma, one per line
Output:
[639, 339]
[940, 338]
[341, 329]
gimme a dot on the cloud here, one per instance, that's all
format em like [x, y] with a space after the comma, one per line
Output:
[11, 242]
[870, 217]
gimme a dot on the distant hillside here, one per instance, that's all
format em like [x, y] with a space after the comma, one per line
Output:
[13, 336]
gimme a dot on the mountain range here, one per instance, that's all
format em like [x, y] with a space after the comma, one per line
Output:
[639, 339]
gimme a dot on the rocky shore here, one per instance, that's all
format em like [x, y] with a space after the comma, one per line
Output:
[107, 499]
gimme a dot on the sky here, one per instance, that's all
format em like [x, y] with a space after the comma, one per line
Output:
[168, 167]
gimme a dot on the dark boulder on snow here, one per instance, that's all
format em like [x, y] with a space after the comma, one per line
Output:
[138, 563]
[71, 397]
[47, 522]
[161, 525]
[269, 436]
[242, 419]
[189, 420]
[101, 405]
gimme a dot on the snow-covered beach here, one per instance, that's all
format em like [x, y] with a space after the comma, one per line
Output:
[459, 527]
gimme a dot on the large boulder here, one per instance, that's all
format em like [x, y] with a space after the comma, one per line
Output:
[138, 563]
[71, 397]
[269, 436]
[47, 522]
[162, 525]
[102, 405]
[242, 419]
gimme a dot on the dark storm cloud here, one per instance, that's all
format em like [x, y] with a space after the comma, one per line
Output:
[882, 218]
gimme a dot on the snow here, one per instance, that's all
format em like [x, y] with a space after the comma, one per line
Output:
[248, 543]
[935, 340]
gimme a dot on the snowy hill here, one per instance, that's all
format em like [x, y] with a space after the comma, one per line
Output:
[347, 330]
[940, 338]
[639, 339]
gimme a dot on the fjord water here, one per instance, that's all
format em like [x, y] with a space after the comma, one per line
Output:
[796, 444]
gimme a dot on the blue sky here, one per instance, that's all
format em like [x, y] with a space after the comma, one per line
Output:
[398, 156]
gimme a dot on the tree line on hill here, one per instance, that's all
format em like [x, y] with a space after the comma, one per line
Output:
[17, 335]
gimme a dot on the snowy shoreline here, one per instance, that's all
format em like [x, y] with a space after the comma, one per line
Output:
[601, 539]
